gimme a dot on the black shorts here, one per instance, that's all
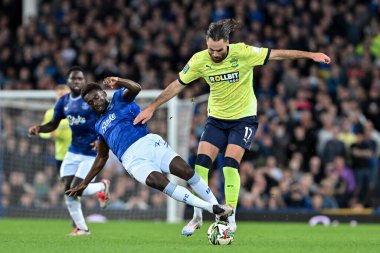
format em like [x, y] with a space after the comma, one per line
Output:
[221, 132]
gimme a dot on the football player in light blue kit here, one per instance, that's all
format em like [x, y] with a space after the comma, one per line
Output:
[144, 155]
[81, 153]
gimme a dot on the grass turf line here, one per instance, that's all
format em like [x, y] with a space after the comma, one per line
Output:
[40, 236]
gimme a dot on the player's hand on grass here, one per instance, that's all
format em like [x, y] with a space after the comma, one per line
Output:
[144, 116]
[76, 191]
[321, 57]
[111, 81]
[34, 130]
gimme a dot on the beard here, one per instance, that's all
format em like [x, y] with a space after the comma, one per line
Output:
[219, 58]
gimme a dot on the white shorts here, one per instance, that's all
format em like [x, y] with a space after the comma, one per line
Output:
[148, 154]
[76, 165]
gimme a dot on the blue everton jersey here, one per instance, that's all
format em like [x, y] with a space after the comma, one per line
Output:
[115, 125]
[82, 121]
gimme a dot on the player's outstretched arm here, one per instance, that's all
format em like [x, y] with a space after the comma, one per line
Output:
[172, 90]
[46, 128]
[100, 161]
[276, 54]
[133, 88]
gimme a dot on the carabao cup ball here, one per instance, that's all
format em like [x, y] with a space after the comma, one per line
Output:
[219, 233]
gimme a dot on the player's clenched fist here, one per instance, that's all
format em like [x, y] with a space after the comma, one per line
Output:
[34, 130]
[111, 81]
[320, 57]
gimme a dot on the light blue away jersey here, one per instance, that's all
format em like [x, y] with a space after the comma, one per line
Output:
[115, 125]
[82, 121]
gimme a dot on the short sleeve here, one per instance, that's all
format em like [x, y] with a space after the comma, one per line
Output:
[256, 56]
[118, 95]
[58, 109]
[190, 72]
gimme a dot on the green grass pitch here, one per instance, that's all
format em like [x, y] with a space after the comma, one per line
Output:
[40, 236]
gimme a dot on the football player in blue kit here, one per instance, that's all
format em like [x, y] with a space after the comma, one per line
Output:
[144, 155]
[82, 151]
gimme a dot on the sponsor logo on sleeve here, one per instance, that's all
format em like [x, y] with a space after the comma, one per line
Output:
[186, 68]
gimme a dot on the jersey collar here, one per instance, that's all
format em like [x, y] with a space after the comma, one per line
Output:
[72, 98]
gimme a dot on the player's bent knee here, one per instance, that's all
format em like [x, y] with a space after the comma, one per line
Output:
[76, 181]
[204, 161]
[230, 162]
[67, 182]
[181, 169]
[157, 181]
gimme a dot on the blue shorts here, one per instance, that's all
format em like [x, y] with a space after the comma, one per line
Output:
[221, 132]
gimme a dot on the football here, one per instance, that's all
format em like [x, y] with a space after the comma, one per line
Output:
[219, 233]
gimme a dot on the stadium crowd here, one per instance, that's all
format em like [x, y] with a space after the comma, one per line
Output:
[318, 143]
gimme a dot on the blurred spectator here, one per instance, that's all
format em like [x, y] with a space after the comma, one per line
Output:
[20, 191]
[317, 202]
[315, 168]
[299, 143]
[41, 186]
[334, 81]
[347, 175]
[372, 105]
[295, 198]
[272, 172]
[326, 132]
[373, 135]
[280, 140]
[346, 135]
[334, 188]
[333, 147]
[140, 200]
[256, 197]
[158, 200]
[363, 152]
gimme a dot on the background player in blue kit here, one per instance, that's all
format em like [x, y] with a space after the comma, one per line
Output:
[145, 156]
[81, 153]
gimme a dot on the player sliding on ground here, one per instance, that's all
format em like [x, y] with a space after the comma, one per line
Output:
[144, 155]
[232, 107]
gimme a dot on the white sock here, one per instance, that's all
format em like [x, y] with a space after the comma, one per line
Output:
[197, 213]
[182, 194]
[75, 209]
[231, 219]
[93, 188]
[200, 187]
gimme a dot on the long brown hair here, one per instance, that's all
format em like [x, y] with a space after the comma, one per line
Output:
[221, 29]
